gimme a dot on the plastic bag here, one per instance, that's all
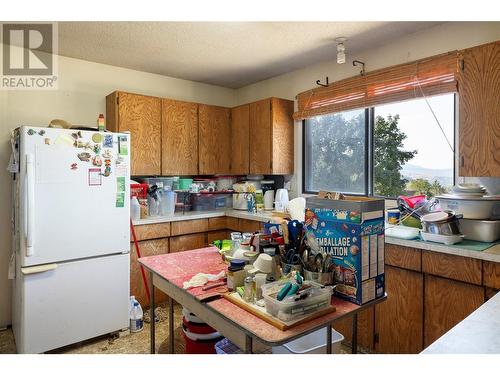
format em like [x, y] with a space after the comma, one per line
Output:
[202, 278]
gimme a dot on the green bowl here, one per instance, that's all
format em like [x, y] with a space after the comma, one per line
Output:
[410, 221]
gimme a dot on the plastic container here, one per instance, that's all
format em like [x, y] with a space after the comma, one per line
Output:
[480, 230]
[185, 183]
[287, 310]
[224, 182]
[203, 202]
[197, 346]
[481, 208]
[323, 278]
[135, 209]
[313, 343]
[442, 238]
[167, 206]
[136, 322]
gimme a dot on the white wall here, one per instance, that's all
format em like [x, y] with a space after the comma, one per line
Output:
[433, 41]
[80, 98]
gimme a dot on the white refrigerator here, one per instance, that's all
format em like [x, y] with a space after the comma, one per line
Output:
[71, 233]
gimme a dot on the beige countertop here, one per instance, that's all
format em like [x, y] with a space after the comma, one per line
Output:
[265, 217]
[479, 333]
[491, 254]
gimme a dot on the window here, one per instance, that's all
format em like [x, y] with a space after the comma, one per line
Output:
[410, 153]
[335, 156]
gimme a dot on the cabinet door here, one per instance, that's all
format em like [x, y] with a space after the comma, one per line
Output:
[479, 111]
[214, 139]
[447, 302]
[179, 138]
[399, 319]
[240, 139]
[260, 137]
[188, 242]
[141, 115]
[282, 136]
[365, 328]
[250, 226]
[147, 248]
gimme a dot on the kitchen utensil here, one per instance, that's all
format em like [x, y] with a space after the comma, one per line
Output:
[326, 262]
[268, 199]
[264, 263]
[323, 278]
[296, 208]
[305, 256]
[441, 223]
[480, 230]
[318, 260]
[311, 263]
[481, 208]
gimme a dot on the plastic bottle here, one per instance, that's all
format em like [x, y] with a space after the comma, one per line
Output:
[136, 322]
[135, 209]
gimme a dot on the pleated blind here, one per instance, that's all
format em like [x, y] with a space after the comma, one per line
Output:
[429, 76]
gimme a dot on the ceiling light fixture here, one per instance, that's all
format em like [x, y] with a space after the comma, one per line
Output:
[340, 49]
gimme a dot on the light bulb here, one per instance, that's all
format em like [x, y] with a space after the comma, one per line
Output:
[340, 53]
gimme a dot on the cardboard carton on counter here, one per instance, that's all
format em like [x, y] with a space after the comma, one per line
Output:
[351, 230]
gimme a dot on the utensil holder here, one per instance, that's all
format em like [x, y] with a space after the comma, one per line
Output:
[323, 278]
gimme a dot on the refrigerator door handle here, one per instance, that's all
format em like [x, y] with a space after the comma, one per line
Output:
[30, 215]
[38, 269]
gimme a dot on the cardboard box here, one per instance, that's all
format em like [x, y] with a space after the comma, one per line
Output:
[352, 232]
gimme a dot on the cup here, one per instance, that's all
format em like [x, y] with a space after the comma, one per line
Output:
[393, 216]
[260, 279]
[264, 263]
[268, 199]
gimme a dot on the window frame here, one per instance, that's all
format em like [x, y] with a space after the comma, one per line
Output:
[369, 154]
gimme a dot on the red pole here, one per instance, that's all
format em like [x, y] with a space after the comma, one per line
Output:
[138, 257]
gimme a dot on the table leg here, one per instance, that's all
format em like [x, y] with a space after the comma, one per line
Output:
[248, 344]
[171, 325]
[354, 334]
[329, 339]
[152, 312]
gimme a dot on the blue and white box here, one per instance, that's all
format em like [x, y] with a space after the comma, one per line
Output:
[355, 244]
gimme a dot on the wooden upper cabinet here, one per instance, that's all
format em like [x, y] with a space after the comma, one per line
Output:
[260, 137]
[271, 136]
[179, 138]
[214, 139]
[479, 111]
[282, 136]
[141, 115]
[240, 139]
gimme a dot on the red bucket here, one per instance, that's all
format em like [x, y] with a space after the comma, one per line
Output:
[199, 346]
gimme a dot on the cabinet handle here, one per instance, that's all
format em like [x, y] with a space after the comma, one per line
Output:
[462, 161]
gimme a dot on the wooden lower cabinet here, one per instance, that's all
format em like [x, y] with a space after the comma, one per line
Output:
[188, 242]
[147, 248]
[365, 328]
[217, 235]
[250, 226]
[399, 320]
[447, 302]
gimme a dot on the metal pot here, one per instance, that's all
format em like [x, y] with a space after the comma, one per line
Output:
[445, 222]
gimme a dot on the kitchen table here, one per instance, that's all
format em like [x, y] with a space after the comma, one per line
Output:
[168, 272]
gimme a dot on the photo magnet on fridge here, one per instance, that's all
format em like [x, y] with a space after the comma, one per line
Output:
[122, 145]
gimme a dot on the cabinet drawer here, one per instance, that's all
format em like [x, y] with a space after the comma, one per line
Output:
[189, 226]
[188, 242]
[151, 231]
[491, 274]
[452, 267]
[403, 257]
[233, 223]
[217, 223]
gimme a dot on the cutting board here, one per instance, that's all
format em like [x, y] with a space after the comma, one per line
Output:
[261, 312]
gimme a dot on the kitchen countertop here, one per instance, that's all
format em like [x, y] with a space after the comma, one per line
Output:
[479, 333]
[491, 254]
[193, 215]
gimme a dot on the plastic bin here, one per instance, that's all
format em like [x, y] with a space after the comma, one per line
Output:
[313, 343]
[286, 310]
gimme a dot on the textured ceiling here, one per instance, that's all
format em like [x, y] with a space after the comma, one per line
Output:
[229, 54]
